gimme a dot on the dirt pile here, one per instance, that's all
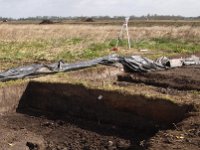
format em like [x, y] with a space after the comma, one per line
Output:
[46, 21]
[184, 78]
[88, 20]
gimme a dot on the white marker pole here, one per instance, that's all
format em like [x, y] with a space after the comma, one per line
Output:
[127, 32]
[124, 28]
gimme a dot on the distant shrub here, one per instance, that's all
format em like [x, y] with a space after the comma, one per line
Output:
[88, 20]
[46, 21]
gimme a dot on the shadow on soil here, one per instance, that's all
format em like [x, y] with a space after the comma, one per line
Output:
[134, 118]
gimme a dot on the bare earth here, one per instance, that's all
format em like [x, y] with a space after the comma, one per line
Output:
[34, 131]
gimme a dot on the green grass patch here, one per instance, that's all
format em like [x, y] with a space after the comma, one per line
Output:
[76, 49]
[121, 43]
[36, 49]
[173, 45]
[67, 56]
[96, 50]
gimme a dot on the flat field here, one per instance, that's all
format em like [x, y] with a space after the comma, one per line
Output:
[101, 107]
[23, 44]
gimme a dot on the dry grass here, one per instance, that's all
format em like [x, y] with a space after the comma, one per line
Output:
[22, 44]
[22, 33]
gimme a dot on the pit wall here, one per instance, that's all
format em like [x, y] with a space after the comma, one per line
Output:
[10, 97]
[100, 105]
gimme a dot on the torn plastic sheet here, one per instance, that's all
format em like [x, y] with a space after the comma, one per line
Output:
[132, 64]
[39, 69]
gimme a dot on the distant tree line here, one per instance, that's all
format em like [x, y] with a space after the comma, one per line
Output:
[147, 17]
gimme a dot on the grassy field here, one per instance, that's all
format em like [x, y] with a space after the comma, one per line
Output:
[24, 44]
[133, 23]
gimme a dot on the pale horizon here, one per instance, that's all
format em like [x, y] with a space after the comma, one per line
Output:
[66, 8]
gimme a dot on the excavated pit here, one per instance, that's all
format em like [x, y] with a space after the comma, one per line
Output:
[100, 105]
[184, 78]
[122, 117]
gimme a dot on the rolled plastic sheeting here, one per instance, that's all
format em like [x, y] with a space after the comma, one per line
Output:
[132, 64]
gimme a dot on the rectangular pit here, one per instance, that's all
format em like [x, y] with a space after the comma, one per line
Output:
[113, 113]
[94, 104]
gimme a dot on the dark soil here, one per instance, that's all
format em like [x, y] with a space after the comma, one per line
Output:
[18, 131]
[32, 130]
[186, 136]
[185, 78]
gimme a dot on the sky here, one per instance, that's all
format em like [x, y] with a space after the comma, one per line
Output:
[65, 8]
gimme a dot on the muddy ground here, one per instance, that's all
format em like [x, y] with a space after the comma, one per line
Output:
[34, 130]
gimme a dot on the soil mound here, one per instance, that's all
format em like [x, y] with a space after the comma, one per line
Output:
[46, 21]
[88, 20]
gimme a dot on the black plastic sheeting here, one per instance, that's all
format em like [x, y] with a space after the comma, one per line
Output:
[133, 64]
